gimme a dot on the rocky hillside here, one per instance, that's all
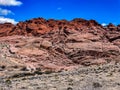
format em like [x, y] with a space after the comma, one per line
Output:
[58, 44]
[41, 54]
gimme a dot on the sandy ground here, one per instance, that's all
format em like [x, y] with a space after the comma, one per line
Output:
[103, 77]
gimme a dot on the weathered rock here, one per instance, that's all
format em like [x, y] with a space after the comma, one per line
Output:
[46, 44]
[5, 29]
[85, 37]
[112, 27]
[59, 44]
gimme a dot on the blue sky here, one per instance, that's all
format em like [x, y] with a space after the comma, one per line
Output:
[103, 11]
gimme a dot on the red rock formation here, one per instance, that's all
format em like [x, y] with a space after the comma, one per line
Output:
[5, 29]
[40, 26]
[60, 44]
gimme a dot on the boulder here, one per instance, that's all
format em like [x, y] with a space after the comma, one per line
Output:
[46, 44]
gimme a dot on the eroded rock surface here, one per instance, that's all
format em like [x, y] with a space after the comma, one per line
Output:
[58, 45]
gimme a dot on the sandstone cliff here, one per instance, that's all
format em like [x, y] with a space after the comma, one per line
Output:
[59, 44]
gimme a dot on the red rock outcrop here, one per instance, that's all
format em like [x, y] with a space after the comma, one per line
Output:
[5, 29]
[40, 26]
[60, 44]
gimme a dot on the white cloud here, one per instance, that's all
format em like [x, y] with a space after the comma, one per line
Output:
[10, 3]
[104, 24]
[4, 20]
[5, 12]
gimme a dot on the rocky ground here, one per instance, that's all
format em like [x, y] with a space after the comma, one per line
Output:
[59, 55]
[102, 77]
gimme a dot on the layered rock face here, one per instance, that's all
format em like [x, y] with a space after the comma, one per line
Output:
[59, 44]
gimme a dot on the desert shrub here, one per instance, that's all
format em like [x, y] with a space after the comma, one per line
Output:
[48, 72]
[21, 75]
[38, 72]
[96, 85]
[24, 69]
[69, 88]
[8, 82]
